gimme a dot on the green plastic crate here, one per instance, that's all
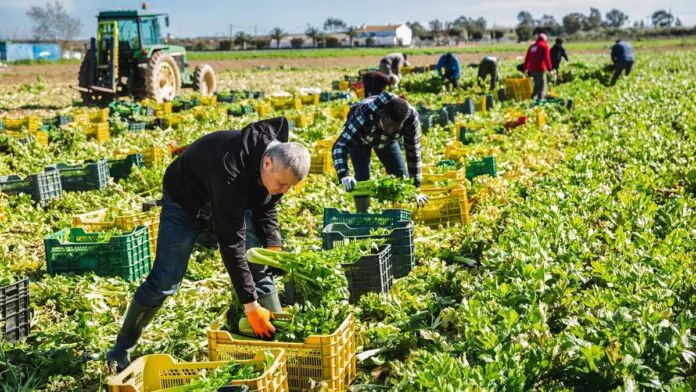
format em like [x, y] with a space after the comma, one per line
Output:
[136, 126]
[384, 219]
[76, 251]
[87, 176]
[400, 238]
[121, 168]
[480, 168]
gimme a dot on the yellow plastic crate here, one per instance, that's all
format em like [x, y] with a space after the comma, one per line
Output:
[209, 101]
[480, 105]
[263, 109]
[519, 88]
[114, 218]
[343, 85]
[3, 205]
[360, 92]
[456, 150]
[99, 131]
[330, 359]
[99, 116]
[201, 113]
[311, 99]
[155, 156]
[340, 112]
[304, 120]
[430, 179]
[164, 107]
[41, 137]
[171, 121]
[80, 117]
[160, 372]
[28, 123]
[540, 117]
[447, 206]
[322, 161]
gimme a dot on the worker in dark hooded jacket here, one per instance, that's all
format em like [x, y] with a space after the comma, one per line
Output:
[622, 57]
[450, 68]
[488, 67]
[537, 63]
[232, 181]
[376, 82]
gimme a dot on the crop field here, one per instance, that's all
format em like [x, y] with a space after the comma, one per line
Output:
[567, 266]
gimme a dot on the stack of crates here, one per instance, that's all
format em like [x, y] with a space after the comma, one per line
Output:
[432, 179]
[15, 317]
[343, 226]
[88, 176]
[340, 112]
[519, 88]
[99, 116]
[42, 186]
[114, 218]
[98, 131]
[456, 150]
[29, 124]
[446, 206]
[125, 254]
[322, 160]
[156, 156]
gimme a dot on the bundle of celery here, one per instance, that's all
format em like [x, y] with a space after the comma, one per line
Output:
[387, 188]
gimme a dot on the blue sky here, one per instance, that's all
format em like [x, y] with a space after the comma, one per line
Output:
[214, 17]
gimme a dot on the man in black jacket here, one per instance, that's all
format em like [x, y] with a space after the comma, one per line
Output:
[376, 82]
[231, 180]
[558, 53]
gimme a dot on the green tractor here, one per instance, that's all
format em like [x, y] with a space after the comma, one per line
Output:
[129, 57]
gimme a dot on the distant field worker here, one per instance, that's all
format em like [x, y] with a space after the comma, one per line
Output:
[537, 63]
[622, 57]
[450, 68]
[558, 53]
[488, 67]
[392, 63]
[376, 82]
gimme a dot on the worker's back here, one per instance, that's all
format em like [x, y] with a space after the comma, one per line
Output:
[622, 52]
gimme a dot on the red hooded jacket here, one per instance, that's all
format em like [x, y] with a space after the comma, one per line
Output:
[538, 57]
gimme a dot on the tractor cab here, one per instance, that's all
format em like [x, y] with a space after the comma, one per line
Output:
[129, 57]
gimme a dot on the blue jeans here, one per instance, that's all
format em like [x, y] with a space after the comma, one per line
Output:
[178, 231]
[390, 156]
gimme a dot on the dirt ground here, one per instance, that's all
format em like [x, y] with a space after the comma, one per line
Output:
[66, 73]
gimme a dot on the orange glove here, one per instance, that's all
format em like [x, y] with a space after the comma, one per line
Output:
[260, 320]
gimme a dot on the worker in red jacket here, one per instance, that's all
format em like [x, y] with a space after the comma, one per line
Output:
[537, 63]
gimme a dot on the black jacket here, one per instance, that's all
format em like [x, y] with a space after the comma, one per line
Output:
[375, 83]
[221, 170]
[558, 52]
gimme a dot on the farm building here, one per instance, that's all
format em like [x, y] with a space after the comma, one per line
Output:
[387, 35]
[15, 51]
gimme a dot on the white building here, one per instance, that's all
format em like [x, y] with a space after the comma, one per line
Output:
[389, 35]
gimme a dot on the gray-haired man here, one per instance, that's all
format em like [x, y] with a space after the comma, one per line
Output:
[231, 180]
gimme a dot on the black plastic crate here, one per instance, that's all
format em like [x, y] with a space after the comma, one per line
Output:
[121, 168]
[42, 187]
[370, 274]
[87, 176]
[14, 310]
[384, 219]
[400, 238]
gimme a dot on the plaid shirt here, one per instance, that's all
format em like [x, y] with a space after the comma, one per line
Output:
[362, 128]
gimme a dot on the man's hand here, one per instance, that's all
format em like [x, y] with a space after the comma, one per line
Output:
[349, 183]
[260, 320]
[422, 199]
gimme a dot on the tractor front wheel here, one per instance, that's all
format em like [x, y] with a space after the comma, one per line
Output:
[204, 80]
[162, 78]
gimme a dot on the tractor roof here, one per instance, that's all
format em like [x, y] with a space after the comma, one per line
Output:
[125, 14]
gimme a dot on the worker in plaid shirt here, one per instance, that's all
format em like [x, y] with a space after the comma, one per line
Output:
[379, 123]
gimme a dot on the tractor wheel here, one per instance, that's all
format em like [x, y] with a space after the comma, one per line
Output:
[162, 78]
[204, 80]
[94, 97]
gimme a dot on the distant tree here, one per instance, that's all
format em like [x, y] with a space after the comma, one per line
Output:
[278, 34]
[572, 23]
[200, 45]
[262, 43]
[370, 41]
[331, 42]
[53, 23]
[524, 31]
[225, 44]
[314, 33]
[662, 18]
[454, 31]
[498, 34]
[417, 30]
[334, 24]
[593, 21]
[616, 19]
[242, 39]
[351, 32]
[525, 17]
[297, 42]
[548, 24]
[436, 29]
[678, 23]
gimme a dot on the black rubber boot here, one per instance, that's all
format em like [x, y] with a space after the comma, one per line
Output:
[271, 302]
[137, 318]
[362, 203]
